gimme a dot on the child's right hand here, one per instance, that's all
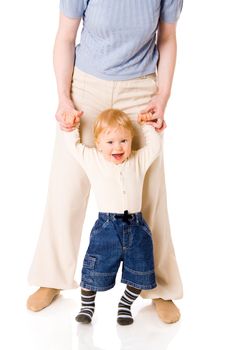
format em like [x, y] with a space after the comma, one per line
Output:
[145, 117]
[148, 118]
[67, 116]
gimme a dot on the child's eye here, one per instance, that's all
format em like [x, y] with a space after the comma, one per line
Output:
[123, 141]
[110, 142]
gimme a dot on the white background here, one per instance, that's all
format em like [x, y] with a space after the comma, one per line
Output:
[199, 175]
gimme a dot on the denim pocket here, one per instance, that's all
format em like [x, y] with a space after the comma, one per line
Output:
[89, 261]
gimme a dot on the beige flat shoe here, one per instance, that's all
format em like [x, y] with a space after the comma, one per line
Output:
[42, 298]
[167, 311]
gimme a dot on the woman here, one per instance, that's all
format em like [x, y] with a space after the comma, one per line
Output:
[125, 60]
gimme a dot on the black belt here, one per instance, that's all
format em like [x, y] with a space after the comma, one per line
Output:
[125, 217]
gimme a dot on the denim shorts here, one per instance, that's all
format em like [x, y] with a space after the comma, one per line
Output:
[113, 240]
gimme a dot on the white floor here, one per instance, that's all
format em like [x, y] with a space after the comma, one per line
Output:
[205, 324]
[55, 328]
[58, 329]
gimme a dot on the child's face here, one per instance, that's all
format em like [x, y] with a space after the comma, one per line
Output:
[115, 144]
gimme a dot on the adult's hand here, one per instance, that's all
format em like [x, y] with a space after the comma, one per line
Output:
[155, 110]
[67, 115]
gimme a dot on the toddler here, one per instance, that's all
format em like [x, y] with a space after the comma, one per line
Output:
[120, 233]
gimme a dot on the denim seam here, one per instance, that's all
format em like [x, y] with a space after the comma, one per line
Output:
[149, 233]
[139, 286]
[139, 272]
[93, 273]
[96, 288]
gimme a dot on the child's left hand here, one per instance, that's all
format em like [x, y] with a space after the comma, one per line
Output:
[72, 119]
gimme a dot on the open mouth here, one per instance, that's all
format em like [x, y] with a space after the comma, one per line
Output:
[118, 156]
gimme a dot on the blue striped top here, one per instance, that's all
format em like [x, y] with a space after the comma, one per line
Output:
[118, 39]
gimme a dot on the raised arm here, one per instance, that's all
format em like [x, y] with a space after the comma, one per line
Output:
[64, 53]
[147, 154]
[83, 154]
[73, 143]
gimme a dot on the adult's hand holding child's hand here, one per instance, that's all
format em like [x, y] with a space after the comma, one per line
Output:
[67, 116]
[149, 118]
[154, 114]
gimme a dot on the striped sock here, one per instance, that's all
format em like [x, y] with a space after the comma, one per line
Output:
[124, 316]
[88, 306]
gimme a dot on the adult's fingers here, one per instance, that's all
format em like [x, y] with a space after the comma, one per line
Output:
[159, 122]
[66, 125]
[164, 125]
[148, 109]
[68, 116]
[154, 124]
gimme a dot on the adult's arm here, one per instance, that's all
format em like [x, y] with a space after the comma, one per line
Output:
[64, 53]
[167, 59]
[166, 44]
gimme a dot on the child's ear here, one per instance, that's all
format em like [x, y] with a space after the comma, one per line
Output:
[97, 145]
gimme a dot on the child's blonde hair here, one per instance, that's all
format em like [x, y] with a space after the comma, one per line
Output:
[112, 118]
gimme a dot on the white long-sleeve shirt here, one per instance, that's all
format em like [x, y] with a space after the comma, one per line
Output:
[117, 187]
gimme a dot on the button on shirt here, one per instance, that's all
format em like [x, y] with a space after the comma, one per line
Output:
[117, 187]
[118, 39]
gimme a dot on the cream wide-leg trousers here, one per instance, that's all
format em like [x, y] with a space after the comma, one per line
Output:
[55, 259]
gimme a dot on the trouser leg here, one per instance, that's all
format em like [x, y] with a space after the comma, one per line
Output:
[54, 262]
[55, 258]
[154, 208]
